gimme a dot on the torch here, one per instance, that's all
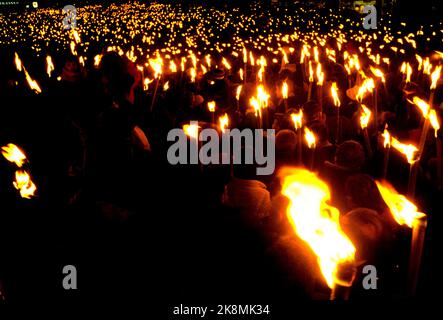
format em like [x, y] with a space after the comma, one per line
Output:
[284, 92]
[387, 145]
[211, 108]
[297, 119]
[334, 93]
[320, 79]
[311, 142]
[364, 120]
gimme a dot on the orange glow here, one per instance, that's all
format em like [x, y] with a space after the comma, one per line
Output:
[316, 222]
[409, 150]
[238, 92]
[403, 210]
[378, 73]
[18, 62]
[32, 83]
[211, 106]
[156, 65]
[320, 75]
[387, 138]
[311, 72]
[334, 93]
[224, 122]
[24, 184]
[435, 76]
[365, 116]
[434, 121]
[49, 66]
[166, 86]
[226, 64]
[14, 154]
[297, 119]
[191, 130]
[97, 60]
[284, 90]
[422, 105]
[172, 66]
[310, 138]
[146, 84]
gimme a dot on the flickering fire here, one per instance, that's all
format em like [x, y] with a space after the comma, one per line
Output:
[320, 75]
[422, 105]
[386, 138]
[409, 150]
[14, 154]
[226, 64]
[97, 60]
[334, 93]
[434, 121]
[311, 72]
[240, 72]
[256, 105]
[238, 92]
[262, 96]
[224, 122]
[434, 77]
[378, 73]
[367, 86]
[403, 210]
[193, 74]
[316, 222]
[297, 119]
[166, 86]
[146, 83]
[310, 138]
[191, 130]
[172, 66]
[365, 116]
[24, 184]
[32, 83]
[284, 90]
[211, 106]
[156, 65]
[18, 62]
[49, 66]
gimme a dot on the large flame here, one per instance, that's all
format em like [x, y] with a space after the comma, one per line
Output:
[403, 210]
[14, 154]
[156, 65]
[284, 90]
[18, 62]
[32, 83]
[422, 105]
[24, 184]
[191, 130]
[316, 222]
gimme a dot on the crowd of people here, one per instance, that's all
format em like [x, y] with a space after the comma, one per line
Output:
[108, 200]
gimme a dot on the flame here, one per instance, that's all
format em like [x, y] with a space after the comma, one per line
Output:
[241, 74]
[156, 64]
[193, 74]
[172, 66]
[334, 93]
[408, 150]
[72, 46]
[166, 86]
[24, 184]
[435, 76]
[434, 121]
[49, 66]
[211, 106]
[297, 119]
[368, 85]
[224, 122]
[316, 222]
[238, 92]
[262, 96]
[191, 130]
[146, 84]
[208, 60]
[76, 36]
[378, 73]
[226, 64]
[97, 60]
[310, 138]
[284, 90]
[256, 105]
[387, 138]
[311, 72]
[32, 83]
[18, 62]
[422, 105]
[14, 154]
[365, 116]
[403, 210]
[182, 64]
[245, 55]
[320, 75]
[420, 61]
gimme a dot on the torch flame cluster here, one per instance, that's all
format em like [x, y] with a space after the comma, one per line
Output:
[316, 222]
[23, 181]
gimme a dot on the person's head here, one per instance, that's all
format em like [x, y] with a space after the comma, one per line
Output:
[362, 191]
[116, 75]
[285, 144]
[71, 69]
[350, 155]
[367, 232]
